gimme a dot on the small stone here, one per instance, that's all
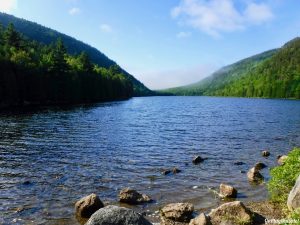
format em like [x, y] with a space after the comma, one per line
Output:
[86, 206]
[282, 159]
[198, 159]
[254, 175]
[133, 197]
[238, 163]
[265, 153]
[179, 212]
[227, 191]
[176, 170]
[260, 165]
[202, 219]
[166, 172]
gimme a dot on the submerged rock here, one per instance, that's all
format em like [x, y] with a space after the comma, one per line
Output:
[166, 172]
[231, 213]
[114, 215]
[227, 191]
[176, 212]
[176, 170]
[198, 159]
[202, 219]
[86, 206]
[254, 175]
[265, 153]
[238, 163]
[294, 196]
[133, 197]
[281, 159]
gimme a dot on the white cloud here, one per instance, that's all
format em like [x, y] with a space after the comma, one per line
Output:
[8, 6]
[183, 34]
[74, 11]
[216, 16]
[106, 28]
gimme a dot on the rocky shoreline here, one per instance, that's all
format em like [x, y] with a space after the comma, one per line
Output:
[90, 210]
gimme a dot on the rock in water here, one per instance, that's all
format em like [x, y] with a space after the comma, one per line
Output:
[260, 165]
[202, 219]
[176, 212]
[294, 196]
[231, 213]
[227, 191]
[282, 159]
[176, 170]
[86, 206]
[133, 197]
[198, 159]
[254, 175]
[114, 215]
[265, 153]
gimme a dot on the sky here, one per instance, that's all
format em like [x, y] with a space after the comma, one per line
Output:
[168, 43]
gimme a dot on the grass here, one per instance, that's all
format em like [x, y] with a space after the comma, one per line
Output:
[283, 178]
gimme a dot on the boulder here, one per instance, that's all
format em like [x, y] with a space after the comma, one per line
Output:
[260, 165]
[114, 215]
[133, 197]
[294, 196]
[176, 170]
[177, 212]
[254, 175]
[281, 159]
[231, 213]
[197, 159]
[265, 153]
[86, 206]
[202, 219]
[227, 191]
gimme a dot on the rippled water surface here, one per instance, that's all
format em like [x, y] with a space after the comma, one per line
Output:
[51, 157]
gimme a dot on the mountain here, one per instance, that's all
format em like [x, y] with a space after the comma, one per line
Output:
[47, 36]
[271, 74]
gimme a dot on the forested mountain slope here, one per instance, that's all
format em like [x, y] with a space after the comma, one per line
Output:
[47, 36]
[272, 74]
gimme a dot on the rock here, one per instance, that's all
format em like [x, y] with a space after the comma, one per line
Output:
[176, 170]
[294, 196]
[166, 172]
[86, 206]
[265, 153]
[197, 159]
[177, 212]
[231, 213]
[254, 175]
[260, 165]
[227, 191]
[202, 219]
[133, 197]
[114, 215]
[238, 163]
[281, 159]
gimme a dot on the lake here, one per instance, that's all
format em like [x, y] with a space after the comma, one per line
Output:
[51, 157]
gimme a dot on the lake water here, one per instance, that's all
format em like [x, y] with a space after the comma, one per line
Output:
[52, 157]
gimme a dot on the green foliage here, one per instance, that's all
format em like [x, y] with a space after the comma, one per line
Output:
[283, 177]
[74, 47]
[272, 74]
[35, 73]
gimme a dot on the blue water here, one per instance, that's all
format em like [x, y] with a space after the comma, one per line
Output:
[51, 157]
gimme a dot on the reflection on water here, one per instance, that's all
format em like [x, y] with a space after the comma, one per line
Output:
[52, 157]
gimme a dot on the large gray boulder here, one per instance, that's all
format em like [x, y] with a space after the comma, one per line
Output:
[294, 196]
[231, 213]
[87, 205]
[114, 215]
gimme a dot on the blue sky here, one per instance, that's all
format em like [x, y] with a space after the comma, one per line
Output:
[167, 43]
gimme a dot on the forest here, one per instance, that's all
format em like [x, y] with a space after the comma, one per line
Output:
[33, 73]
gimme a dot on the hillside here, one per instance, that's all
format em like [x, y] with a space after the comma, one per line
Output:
[47, 36]
[272, 74]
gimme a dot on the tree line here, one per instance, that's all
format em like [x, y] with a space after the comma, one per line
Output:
[36, 73]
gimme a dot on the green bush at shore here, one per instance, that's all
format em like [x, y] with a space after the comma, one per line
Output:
[283, 178]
